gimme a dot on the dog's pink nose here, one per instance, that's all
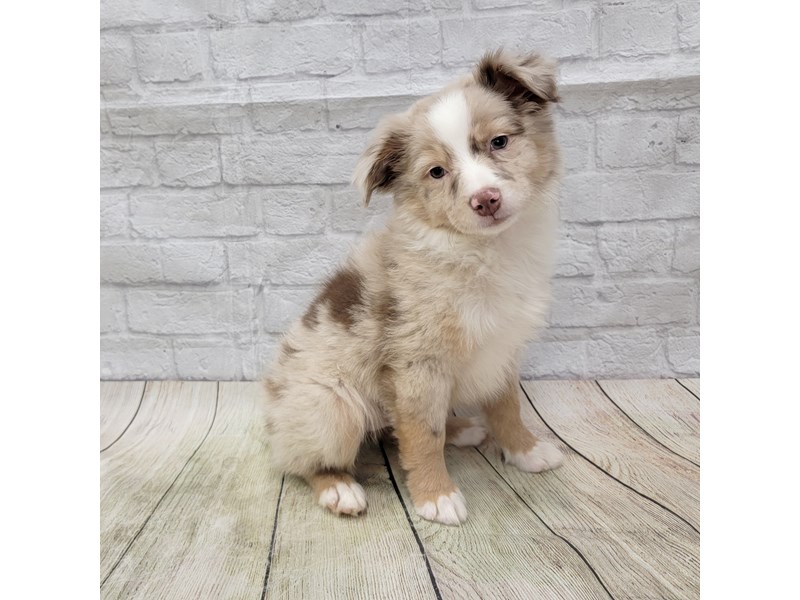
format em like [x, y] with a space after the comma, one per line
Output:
[485, 202]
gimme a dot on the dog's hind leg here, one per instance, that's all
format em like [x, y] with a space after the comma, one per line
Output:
[464, 431]
[338, 492]
[316, 432]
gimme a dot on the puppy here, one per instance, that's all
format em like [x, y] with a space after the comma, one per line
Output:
[433, 312]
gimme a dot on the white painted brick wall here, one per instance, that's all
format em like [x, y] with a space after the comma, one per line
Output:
[167, 57]
[229, 130]
[630, 30]
[395, 45]
[192, 164]
[117, 64]
[219, 212]
[298, 50]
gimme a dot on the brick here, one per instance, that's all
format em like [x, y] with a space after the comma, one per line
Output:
[194, 163]
[401, 45]
[636, 247]
[687, 248]
[636, 95]
[635, 141]
[486, 4]
[688, 140]
[196, 312]
[193, 262]
[280, 307]
[630, 302]
[564, 34]
[317, 49]
[576, 138]
[268, 11]
[592, 197]
[356, 7]
[258, 358]
[291, 159]
[112, 310]
[177, 119]
[387, 7]
[635, 31]
[288, 116]
[168, 57]
[136, 358]
[683, 353]
[194, 213]
[207, 359]
[423, 6]
[105, 124]
[156, 12]
[555, 359]
[293, 210]
[576, 251]
[293, 261]
[117, 64]
[349, 214]
[353, 113]
[689, 24]
[113, 214]
[631, 352]
[126, 163]
[130, 263]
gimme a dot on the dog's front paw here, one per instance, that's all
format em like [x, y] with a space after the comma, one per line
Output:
[447, 509]
[344, 498]
[542, 457]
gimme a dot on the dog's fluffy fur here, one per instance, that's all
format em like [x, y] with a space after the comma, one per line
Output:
[433, 312]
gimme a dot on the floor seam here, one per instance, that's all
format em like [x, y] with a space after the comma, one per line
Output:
[647, 433]
[272, 540]
[133, 418]
[565, 540]
[166, 493]
[598, 467]
[687, 389]
[411, 524]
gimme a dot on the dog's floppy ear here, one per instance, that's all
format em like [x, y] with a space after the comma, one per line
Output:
[521, 79]
[379, 165]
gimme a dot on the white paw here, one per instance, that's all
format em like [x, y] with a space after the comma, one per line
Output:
[449, 510]
[470, 436]
[541, 457]
[344, 498]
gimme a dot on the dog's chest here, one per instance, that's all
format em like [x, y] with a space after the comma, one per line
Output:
[505, 299]
[499, 311]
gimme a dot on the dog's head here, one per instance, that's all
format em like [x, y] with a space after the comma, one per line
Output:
[472, 157]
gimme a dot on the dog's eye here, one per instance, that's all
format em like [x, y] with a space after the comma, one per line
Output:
[437, 172]
[500, 142]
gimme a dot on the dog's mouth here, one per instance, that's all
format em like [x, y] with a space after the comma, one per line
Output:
[495, 224]
[494, 220]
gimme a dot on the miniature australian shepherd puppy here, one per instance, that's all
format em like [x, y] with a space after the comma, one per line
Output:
[433, 312]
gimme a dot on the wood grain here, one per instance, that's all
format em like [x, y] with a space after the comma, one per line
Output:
[693, 385]
[188, 506]
[119, 401]
[637, 548]
[580, 413]
[210, 536]
[320, 555]
[503, 550]
[138, 470]
[663, 409]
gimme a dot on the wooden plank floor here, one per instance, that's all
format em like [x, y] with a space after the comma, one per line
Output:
[190, 508]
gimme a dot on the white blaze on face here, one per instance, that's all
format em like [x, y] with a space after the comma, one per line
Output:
[451, 122]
